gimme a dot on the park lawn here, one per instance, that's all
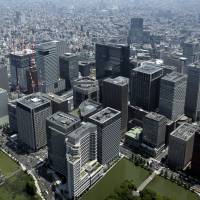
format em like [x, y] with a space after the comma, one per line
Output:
[14, 188]
[123, 170]
[171, 190]
[7, 165]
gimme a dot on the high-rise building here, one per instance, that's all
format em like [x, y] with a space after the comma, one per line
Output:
[175, 59]
[32, 111]
[115, 95]
[20, 62]
[154, 129]
[59, 125]
[167, 69]
[47, 61]
[172, 95]
[85, 88]
[108, 123]
[181, 143]
[19, 18]
[112, 61]
[69, 70]
[195, 167]
[3, 103]
[84, 68]
[32, 80]
[136, 31]
[192, 101]
[12, 114]
[4, 77]
[83, 170]
[191, 50]
[72, 152]
[145, 87]
[88, 108]
[61, 102]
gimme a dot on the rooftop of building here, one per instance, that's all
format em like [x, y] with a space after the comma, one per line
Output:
[2, 91]
[80, 132]
[137, 18]
[34, 100]
[147, 69]
[173, 68]
[194, 66]
[64, 120]
[113, 45]
[88, 106]
[85, 82]
[23, 52]
[12, 103]
[2, 65]
[84, 63]
[46, 45]
[134, 132]
[174, 77]
[59, 98]
[105, 115]
[184, 132]
[68, 55]
[120, 80]
[155, 116]
[191, 41]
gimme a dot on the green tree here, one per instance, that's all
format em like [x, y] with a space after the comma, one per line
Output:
[30, 189]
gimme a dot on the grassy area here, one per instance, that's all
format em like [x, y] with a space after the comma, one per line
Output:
[7, 165]
[14, 188]
[124, 170]
[171, 190]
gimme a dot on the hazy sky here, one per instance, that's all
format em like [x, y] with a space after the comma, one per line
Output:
[153, 3]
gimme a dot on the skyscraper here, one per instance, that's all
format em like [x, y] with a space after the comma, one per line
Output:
[154, 130]
[172, 95]
[32, 111]
[69, 69]
[85, 88]
[145, 87]
[20, 62]
[192, 102]
[3, 103]
[84, 68]
[191, 50]
[72, 151]
[181, 143]
[47, 61]
[59, 125]
[136, 30]
[3, 77]
[12, 114]
[196, 154]
[83, 170]
[62, 102]
[115, 95]
[112, 60]
[108, 123]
